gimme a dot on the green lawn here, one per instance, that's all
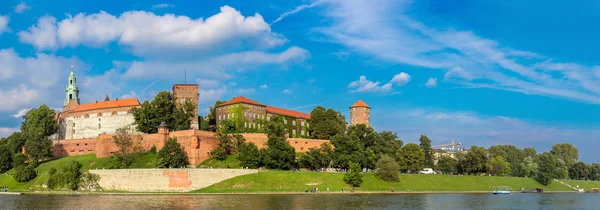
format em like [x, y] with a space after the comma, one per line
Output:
[89, 161]
[586, 185]
[230, 162]
[284, 181]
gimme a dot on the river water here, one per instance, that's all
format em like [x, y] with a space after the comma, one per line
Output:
[305, 201]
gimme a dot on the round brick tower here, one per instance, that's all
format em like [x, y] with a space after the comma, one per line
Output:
[360, 113]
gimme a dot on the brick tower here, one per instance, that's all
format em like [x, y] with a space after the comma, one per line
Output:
[360, 113]
[190, 92]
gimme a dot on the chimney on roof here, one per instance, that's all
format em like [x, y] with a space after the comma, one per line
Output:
[106, 99]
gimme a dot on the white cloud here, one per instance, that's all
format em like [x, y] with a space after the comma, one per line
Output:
[3, 24]
[400, 79]
[152, 35]
[385, 31]
[21, 7]
[365, 85]
[161, 6]
[14, 98]
[342, 54]
[286, 91]
[296, 10]
[42, 36]
[21, 113]
[246, 91]
[264, 86]
[5, 132]
[431, 82]
[458, 72]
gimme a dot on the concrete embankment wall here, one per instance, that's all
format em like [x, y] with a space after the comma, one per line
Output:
[164, 180]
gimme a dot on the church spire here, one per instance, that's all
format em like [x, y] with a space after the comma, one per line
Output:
[72, 92]
[106, 99]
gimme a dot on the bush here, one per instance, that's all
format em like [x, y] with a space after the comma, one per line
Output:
[249, 155]
[153, 149]
[89, 181]
[65, 178]
[5, 159]
[18, 160]
[171, 155]
[353, 176]
[387, 169]
[25, 173]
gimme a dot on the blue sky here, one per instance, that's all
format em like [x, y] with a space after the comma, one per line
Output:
[481, 72]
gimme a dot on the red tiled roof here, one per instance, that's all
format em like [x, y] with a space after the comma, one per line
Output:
[108, 104]
[289, 113]
[240, 99]
[360, 103]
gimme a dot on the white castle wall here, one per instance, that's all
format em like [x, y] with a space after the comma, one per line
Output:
[93, 125]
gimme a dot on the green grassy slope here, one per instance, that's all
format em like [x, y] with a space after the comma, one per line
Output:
[89, 161]
[283, 181]
[586, 185]
[230, 162]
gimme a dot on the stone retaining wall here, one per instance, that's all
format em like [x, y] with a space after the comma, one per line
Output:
[164, 180]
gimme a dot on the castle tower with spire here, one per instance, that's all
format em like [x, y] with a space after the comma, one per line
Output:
[72, 92]
[360, 113]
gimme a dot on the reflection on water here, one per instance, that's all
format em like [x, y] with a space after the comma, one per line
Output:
[304, 201]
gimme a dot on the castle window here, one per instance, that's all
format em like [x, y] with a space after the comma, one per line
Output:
[293, 122]
[302, 132]
[294, 132]
[244, 114]
[302, 123]
[77, 144]
[85, 144]
[70, 96]
[99, 126]
[245, 124]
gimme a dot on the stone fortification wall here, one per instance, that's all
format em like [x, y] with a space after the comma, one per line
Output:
[196, 144]
[164, 180]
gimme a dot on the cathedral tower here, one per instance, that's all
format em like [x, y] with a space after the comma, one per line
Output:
[190, 92]
[360, 113]
[72, 91]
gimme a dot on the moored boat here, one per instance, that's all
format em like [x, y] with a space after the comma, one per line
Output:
[500, 190]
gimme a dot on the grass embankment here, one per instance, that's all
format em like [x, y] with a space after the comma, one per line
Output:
[230, 162]
[284, 181]
[583, 184]
[89, 161]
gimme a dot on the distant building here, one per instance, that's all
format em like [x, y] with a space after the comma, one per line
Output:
[360, 113]
[255, 116]
[188, 92]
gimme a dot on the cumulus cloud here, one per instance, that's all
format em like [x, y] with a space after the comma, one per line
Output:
[150, 34]
[286, 91]
[431, 82]
[5, 132]
[42, 36]
[161, 6]
[458, 72]
[365, 85]
[21, 113]
[21, 7]
[3, 24]
[264, 86]
[400, 79]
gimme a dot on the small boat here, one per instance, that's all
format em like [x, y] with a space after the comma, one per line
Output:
[499, 190]
[594, 190]
[532, 190]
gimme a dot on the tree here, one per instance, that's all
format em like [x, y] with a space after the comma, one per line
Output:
[203, 123]
[277, 154]
[124, 142]
[353, 176]
[65, 178]
[594, 171]
[347, 149]
[579, 171]
[326, 123]
[387, 169]
[16, 142]
[316, 158]
[499, 166]
[511, 154]
[171, 155]
[550, 167]
[475, 161]
[529, 152]
[249, 155]
[427, 150]
[411, 157]
[25, 173]
[530, 167]
[38, 125]
[5, 158]
[212, 115]
[447, 165]
[567, 152]
[163, 108]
